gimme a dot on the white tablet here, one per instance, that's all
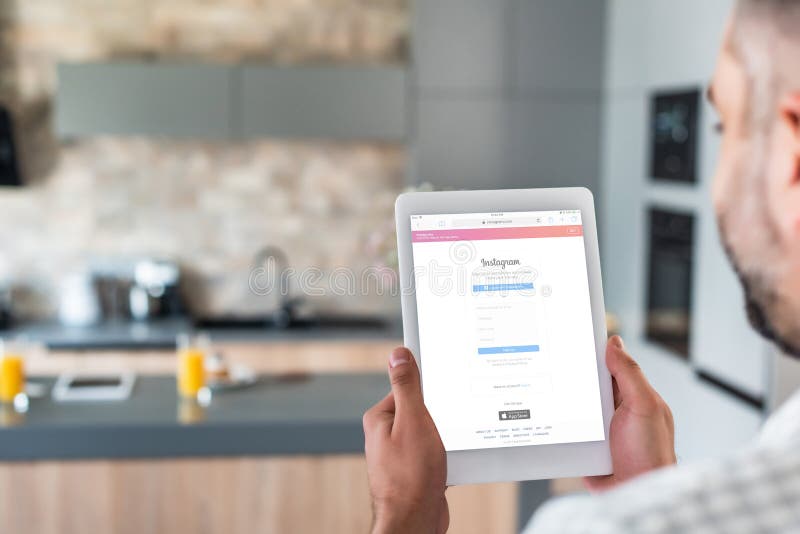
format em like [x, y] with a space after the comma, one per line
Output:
[503, 308]
[95, 388]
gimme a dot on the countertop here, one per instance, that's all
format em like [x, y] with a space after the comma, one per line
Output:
[161, 334]
[312, 414]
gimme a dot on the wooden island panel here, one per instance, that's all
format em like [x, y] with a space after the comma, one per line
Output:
[281, 495]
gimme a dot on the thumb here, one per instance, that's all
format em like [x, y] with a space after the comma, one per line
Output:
[634, 389]
[404, 376]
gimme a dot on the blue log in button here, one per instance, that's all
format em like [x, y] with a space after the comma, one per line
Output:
[501, 287]
[509, 350]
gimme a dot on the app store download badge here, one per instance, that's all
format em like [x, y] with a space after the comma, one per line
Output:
[514, 415]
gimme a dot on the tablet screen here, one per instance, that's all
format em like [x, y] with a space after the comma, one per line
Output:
[505, 329]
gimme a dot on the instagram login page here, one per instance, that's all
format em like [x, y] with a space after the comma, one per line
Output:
[505, 328]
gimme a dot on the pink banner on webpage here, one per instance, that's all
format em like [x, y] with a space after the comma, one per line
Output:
[490, 234]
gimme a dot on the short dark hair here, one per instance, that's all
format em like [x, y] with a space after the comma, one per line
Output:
[766, 39]
[781, 16]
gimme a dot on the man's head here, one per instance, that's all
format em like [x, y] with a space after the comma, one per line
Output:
[756, 90]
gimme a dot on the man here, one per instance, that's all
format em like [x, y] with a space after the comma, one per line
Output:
[756, 91]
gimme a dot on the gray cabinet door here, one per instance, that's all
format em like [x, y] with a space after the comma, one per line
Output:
[461, 45]
[323, 102]
[169, 100]
[557, 45]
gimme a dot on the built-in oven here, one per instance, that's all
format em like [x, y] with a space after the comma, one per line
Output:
[669, 289]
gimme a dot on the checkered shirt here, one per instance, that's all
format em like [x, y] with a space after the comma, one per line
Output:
[754, 491]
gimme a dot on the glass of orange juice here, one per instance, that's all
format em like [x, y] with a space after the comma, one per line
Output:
[12, 373]
[192, 351]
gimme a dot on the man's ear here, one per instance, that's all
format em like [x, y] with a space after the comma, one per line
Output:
[783, 170]
[790, 111]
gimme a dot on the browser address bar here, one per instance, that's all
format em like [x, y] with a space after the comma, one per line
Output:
[519, 221]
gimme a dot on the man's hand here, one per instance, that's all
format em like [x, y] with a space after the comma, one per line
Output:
[642, 431]
[406, 461]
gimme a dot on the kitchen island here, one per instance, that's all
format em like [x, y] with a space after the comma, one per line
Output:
[283, 456]
[279, 415]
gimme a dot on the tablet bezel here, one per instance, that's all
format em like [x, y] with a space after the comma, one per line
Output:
[532, 462]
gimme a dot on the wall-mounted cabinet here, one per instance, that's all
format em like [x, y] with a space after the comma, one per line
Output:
[144, 99]
[231, 102]
[323, 102]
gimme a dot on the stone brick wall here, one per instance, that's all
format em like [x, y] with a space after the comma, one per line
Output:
[209, 205]
[280, 31]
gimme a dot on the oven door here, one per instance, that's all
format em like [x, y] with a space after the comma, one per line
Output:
[669, 294]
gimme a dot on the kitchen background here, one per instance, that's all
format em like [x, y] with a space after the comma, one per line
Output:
[209, 203]
[180, 144]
